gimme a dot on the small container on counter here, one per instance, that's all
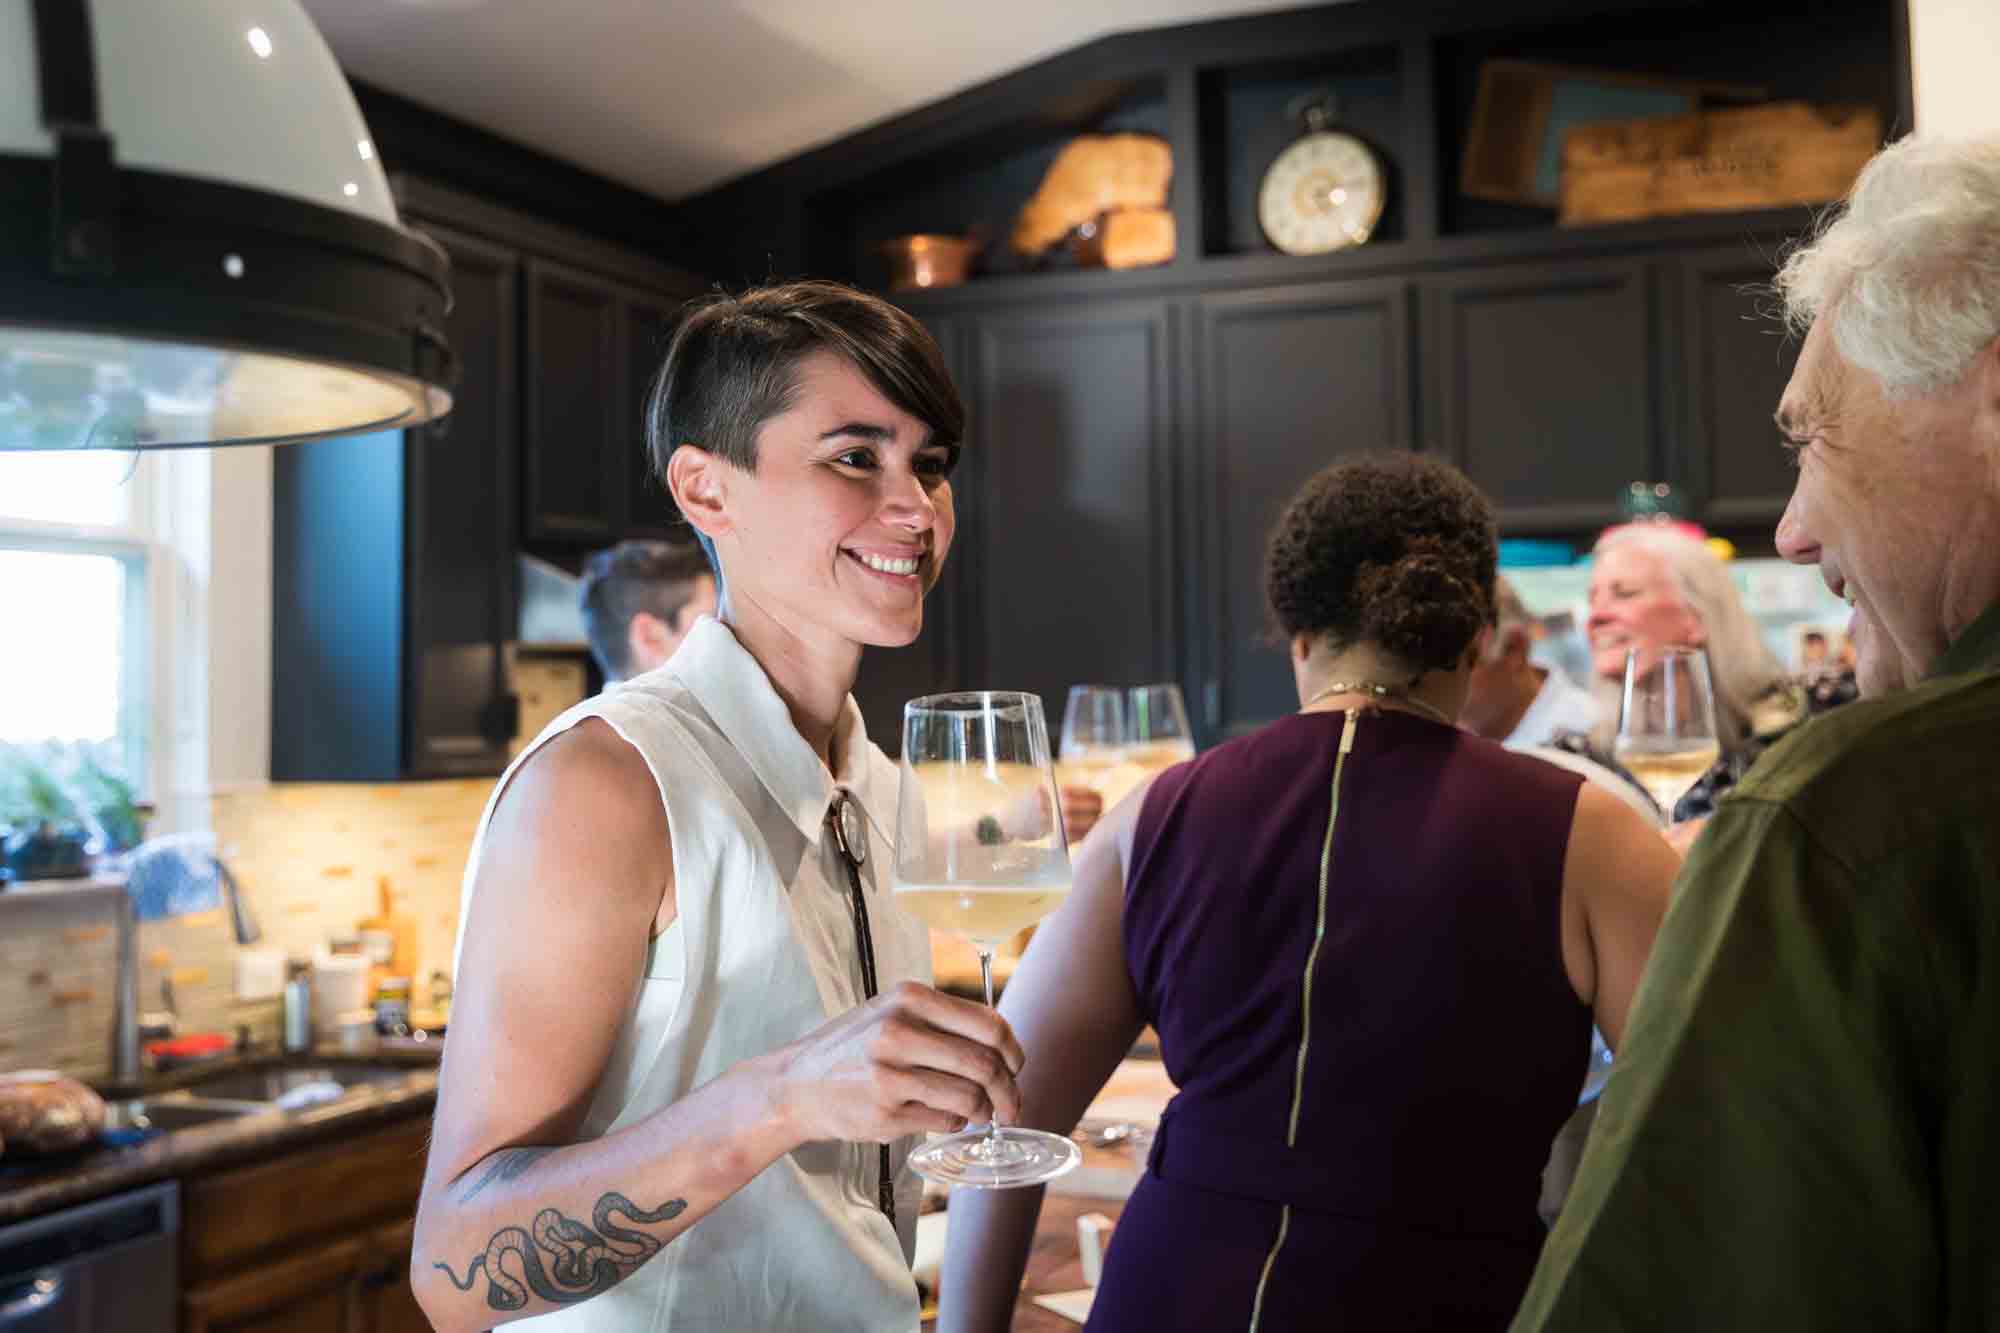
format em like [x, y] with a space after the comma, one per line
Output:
[354, 1031]
[298, 1030]
[392, 1007]
[260, 974]
[340, 987]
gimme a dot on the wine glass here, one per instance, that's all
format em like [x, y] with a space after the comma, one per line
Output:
[1093, 730]
[980, 851]
[1094, 740]
[1666, 722]
[1158, 726]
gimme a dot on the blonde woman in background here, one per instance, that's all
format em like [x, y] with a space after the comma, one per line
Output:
[1654, 587]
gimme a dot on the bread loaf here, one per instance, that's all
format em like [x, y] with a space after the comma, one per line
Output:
[1127, 238]
[43, 1112]
[1091, 175]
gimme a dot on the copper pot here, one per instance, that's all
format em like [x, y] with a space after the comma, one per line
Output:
[928, 260]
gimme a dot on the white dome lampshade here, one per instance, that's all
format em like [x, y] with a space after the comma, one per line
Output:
[197, 242]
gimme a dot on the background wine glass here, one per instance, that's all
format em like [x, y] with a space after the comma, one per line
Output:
[980, 851]
[1095, 736]
[1093, 732]
[1157, 723]
[1666, 722]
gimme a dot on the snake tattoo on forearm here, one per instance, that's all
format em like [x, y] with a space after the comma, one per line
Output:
[583, 1262]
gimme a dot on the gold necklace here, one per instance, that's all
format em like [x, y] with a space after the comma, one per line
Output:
[1377, 690]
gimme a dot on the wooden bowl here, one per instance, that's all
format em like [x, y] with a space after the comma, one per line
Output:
[926, 260]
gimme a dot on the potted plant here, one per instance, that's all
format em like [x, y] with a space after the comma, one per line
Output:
[111, 800]
[48, 832]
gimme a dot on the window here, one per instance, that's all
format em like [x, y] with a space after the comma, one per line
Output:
[77, 571]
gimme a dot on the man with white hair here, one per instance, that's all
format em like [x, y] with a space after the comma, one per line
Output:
[1510, 698]
[1802, 1130]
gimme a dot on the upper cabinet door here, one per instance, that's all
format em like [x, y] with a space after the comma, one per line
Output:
[573, 449]
[1069, 542]
[649, 324]
[459, 498]
[1738, 361]
[1290, 380]
[1544, 383]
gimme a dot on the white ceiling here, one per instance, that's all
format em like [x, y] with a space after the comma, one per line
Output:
[675, 96]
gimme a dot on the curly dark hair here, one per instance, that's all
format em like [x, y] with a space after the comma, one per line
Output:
[1395, 549]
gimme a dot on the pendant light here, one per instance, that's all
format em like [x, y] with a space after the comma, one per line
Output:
[197, 242]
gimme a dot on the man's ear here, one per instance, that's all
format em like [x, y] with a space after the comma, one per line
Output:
[698, 482]
[646, 636]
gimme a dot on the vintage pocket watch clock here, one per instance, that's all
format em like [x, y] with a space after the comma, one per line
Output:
[1325, 191]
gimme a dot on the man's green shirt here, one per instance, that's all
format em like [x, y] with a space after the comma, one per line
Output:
[1803, 1131]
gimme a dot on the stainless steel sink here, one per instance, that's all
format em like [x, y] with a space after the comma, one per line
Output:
[295, 1083]
[176, 1112]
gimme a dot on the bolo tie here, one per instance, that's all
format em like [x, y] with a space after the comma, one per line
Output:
[843, 820]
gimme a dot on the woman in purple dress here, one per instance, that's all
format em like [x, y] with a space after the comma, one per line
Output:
[1372, 945]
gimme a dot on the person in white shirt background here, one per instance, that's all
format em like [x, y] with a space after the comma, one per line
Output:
[1514, 700]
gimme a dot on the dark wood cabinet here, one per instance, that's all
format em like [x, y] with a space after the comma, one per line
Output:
[1069, 544]
[393, 570]
[459, 501]
[573, 393]
[646, 328]
[1291, 379]
[388, 1305]
[592, 348]
[318, 1291]
[317, 1241]
[394, 556]
[1543, 381]
[1736, 361]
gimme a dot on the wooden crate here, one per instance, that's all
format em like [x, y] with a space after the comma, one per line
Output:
[1513, 145]
[1714, 161]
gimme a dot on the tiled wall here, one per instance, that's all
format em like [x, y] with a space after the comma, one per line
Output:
[309, 859]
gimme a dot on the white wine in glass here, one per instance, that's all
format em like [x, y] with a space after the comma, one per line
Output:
[1156, 721]
[979, 850]
[1666, 722]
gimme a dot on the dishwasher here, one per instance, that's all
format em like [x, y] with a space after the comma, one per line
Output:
[108, 1266]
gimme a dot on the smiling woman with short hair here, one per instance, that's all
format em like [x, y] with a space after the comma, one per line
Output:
[693, 1040]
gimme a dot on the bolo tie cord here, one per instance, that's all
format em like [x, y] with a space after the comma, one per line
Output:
[865, 939]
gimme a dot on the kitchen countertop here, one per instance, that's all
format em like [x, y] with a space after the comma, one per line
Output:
[1136, 1092]
[32, 1186]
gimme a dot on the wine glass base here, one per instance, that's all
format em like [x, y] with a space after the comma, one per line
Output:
[1000, 1159]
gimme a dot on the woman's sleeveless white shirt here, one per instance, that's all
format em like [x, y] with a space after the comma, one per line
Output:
[763, 950]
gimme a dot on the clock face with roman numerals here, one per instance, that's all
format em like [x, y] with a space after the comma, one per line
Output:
[1324, 192]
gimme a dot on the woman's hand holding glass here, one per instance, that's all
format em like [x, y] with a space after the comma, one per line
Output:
[910, 1061]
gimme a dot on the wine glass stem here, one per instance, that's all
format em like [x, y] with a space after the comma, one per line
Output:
[986, 978]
